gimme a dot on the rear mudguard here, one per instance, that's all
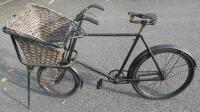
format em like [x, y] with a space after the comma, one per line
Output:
[157, 47]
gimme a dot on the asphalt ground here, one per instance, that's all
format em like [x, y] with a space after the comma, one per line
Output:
[178, 24]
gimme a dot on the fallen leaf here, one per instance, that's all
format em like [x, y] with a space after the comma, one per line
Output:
[50, 2]
[123, 28]
[10, 70]
[4, 79]
[63, 102]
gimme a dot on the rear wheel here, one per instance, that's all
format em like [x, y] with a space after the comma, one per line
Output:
[58, 82]
[176, 67]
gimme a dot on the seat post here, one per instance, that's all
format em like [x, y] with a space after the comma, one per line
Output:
[142, 27]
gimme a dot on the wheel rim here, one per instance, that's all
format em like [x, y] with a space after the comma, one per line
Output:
[174, 67]
[65, 86]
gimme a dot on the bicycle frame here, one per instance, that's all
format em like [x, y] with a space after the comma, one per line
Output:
[137, 37]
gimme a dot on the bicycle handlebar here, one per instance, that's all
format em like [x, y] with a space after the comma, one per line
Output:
[92, 6]
[94, 21]
[81, 15]
[96, 6]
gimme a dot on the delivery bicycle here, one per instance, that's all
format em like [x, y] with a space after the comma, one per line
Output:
[159, 72]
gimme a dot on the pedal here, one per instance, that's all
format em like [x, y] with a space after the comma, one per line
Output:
[99, 83]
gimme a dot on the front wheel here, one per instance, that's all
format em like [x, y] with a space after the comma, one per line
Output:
[58, 82]
[176, 67]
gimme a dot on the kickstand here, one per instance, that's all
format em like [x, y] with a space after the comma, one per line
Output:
[29, 70]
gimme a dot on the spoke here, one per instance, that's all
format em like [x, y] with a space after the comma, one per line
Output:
[168, 87]
[161, 61]
[147, 71]
[173, 66]
[180, 70]
[177, 77]
[170, 64]
[177, 74]
[154, 83]
[180, 66]
[167, 84]
[178, 60]
[160, 83]
[169, 61]
[65, 85]
[166, 60]
[157, 89]
[42, 81]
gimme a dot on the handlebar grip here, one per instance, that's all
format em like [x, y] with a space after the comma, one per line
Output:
[96, 6]
[94, 21]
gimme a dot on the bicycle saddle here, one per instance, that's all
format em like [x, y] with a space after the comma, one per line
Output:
[150, 18]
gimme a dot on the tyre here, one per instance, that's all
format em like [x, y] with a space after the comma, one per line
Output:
[66, 85]
[175, 65]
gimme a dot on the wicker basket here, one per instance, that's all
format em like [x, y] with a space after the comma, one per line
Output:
[47, 26]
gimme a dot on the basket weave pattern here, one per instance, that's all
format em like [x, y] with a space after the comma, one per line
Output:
[36, 53]
[44, 24]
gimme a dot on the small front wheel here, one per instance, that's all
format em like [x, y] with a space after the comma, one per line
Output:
[177, 69]
[58, 82]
